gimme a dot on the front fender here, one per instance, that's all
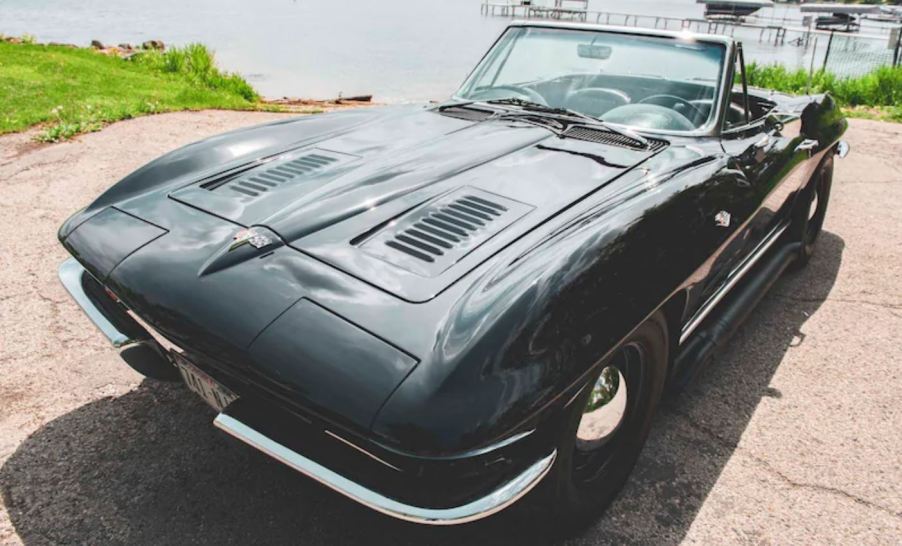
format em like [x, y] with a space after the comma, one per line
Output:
[823, 120]
[528, 332]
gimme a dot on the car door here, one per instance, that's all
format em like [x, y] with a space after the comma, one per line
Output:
[761, 150]
[761, 153]
[771, 154]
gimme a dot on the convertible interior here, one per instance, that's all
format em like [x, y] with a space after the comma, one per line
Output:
[642, 82]
[638, 101]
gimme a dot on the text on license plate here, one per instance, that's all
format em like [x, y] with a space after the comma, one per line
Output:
[205, 386]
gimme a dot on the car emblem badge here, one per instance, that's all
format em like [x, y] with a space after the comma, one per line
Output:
[722, 219]
[251, 236]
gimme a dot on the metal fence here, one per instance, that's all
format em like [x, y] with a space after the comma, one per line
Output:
[844, 54]
[850, 54]
[765, 40]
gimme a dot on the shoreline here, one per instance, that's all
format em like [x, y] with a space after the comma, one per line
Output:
[127, 51]
[63, 90]
[97, 89]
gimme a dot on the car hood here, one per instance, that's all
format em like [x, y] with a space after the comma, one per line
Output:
[404, 201]
[414, 201]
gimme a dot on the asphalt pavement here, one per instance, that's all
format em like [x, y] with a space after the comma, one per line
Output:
[794, 434]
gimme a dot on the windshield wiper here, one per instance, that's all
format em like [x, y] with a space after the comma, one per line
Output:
[535, 106]
[530, 106]
[453, 104]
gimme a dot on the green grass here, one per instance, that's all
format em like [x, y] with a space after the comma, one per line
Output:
[68, 90]
[875, 95]
[71, 90]
[879, 113]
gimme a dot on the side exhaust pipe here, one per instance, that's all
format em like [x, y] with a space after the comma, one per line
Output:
[719, 327]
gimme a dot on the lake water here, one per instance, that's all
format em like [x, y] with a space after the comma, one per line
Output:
[398, 50]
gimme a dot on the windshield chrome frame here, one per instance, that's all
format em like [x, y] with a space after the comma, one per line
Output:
[711, 128]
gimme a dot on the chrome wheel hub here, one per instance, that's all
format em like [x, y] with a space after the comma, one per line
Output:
[604, 411]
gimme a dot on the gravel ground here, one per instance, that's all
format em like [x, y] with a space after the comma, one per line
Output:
[793, 436]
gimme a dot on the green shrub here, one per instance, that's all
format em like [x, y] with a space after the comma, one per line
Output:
[880, 87]
[196, 62]
[75, 90]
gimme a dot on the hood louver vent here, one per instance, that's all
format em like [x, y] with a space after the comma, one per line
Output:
[602, 136]
[273, 174]
[467, 113]
[435, 236]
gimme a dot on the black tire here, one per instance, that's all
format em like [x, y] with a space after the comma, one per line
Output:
[586, 478]
[146, 359]
[807, 222]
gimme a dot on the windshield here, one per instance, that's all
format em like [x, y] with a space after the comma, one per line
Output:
[637, 81]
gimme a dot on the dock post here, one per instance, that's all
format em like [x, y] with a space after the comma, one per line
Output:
[811, 69]
[827, 53]
[897, 48]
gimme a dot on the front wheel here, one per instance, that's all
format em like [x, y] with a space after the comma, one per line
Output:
[605, 427]
[808, 218]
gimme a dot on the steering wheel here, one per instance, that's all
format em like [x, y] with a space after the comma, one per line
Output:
[506, 92]
[663, 99]
[595, 101]
[648, 116]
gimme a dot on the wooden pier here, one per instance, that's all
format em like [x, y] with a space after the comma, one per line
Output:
[576, 10]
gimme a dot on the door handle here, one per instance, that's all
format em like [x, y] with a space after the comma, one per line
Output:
[808, 145]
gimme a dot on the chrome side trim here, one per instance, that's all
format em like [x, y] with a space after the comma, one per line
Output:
[360, 449]
[497, 445]
[473, 453]
[70, 274]
[734, 278]
[495, 501]
[157, 336]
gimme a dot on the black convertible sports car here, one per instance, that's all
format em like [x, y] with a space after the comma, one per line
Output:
[433, 310]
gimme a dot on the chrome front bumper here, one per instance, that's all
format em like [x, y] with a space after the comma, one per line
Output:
[138, 344]
[487, 505]
[72, 274]
[116, 329]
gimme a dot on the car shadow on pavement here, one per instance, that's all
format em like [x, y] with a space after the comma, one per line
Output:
[148, 467]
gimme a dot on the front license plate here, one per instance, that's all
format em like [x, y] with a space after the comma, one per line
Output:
[205, 386]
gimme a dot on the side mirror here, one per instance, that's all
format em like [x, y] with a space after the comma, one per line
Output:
[773, 123]
[842, 149]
